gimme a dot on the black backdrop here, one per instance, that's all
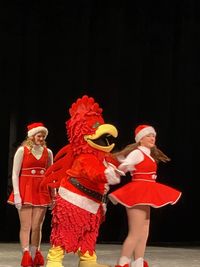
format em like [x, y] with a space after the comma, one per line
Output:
[138, 59]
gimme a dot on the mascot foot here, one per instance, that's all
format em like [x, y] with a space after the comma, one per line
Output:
[54, 264]
[91, 264]
[87, 260]
[55, 257]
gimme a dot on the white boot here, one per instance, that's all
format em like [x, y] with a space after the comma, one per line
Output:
[123, 260]
[138, 263]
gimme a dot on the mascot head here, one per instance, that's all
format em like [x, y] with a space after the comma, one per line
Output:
[86, 128]
[87, 133]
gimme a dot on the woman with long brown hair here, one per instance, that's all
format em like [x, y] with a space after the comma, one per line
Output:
[142, 193]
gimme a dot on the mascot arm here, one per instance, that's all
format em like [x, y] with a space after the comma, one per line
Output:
[93, 169]
[88, 167]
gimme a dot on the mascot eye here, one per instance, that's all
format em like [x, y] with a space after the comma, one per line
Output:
[96, 124]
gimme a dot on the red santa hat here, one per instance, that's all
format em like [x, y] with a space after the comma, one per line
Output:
[143, 130]
[35, 128]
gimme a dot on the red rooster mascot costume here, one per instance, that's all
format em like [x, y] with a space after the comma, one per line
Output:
[82, 172]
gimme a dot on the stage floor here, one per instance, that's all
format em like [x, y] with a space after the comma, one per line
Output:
[10, 255]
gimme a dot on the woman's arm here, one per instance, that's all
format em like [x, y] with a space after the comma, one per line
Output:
[131, 160]
[50, 157]
[17, 163]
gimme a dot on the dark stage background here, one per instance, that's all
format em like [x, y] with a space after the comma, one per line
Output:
[138, 59]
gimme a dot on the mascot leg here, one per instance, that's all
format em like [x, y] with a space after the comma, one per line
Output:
[55, 257]
[87, 260]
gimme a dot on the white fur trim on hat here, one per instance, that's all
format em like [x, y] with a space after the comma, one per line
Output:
[143, 132]
[37, 130]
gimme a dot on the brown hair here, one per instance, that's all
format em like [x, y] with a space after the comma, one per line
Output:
[156, 153]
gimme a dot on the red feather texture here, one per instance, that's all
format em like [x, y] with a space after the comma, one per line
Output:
[85, 105]
[85, 113]
[57, 171]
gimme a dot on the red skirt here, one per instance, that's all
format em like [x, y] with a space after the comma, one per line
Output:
[31, 193]
[145, 193]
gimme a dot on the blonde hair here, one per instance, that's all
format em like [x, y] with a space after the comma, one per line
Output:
[156, 153]
[30, 143]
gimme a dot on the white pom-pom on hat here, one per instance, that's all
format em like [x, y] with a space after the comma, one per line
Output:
[35, 128]
[143, 130]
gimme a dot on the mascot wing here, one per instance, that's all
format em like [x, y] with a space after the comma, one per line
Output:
[57, 171]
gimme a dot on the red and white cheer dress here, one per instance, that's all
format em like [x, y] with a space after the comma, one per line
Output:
[28, 172]
[143, 188]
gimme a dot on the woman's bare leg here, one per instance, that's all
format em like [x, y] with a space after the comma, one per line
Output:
[25, 217]
[142, 241]
[138, 230]
[38, 216]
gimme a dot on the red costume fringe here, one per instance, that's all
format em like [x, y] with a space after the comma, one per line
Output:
[26, 259]
[39, 259]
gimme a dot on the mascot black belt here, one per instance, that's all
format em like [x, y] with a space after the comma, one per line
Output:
[89, 192]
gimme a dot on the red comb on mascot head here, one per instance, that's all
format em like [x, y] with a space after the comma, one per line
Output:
[82, 172]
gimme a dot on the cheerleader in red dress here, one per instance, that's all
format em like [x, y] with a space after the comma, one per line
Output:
[30, 162]
[142, 193]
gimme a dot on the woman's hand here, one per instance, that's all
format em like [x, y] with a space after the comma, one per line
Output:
[17, 201]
